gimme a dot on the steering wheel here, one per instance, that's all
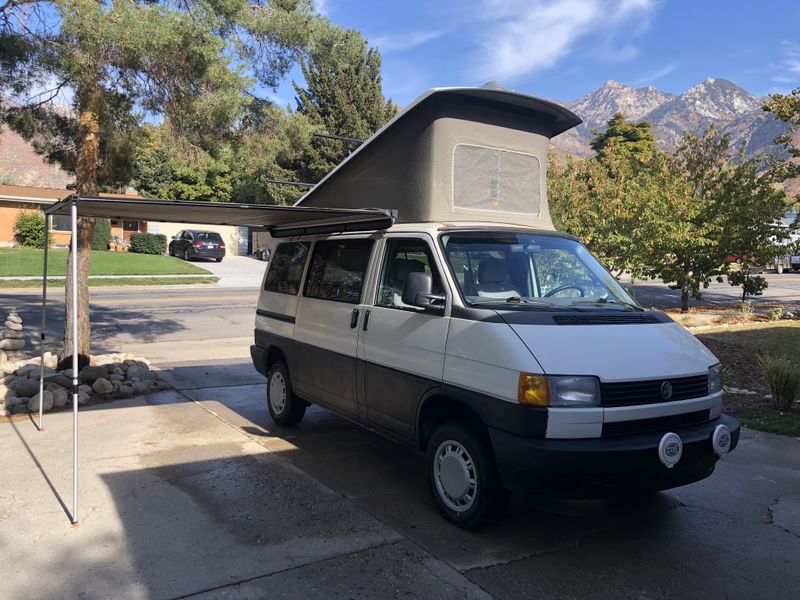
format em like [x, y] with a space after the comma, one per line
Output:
[569, 286]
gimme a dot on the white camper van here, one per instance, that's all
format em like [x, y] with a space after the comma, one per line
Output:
[461, 323]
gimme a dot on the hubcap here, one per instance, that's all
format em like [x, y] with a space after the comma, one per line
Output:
[277, 392]
[455, 476]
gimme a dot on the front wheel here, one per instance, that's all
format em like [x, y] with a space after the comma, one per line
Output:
[284, 407]
[218, 260]
[463, 476]
[185, 255]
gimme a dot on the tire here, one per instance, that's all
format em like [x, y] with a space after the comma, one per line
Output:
[186, 255]
[463, 476]
[218, 259]
[284, 407]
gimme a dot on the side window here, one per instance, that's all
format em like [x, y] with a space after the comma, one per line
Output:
[337, 270]
[404, 256]
[286, 268]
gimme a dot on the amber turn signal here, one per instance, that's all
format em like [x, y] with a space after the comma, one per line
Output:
[532, 390]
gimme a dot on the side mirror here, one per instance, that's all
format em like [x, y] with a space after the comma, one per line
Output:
[417, 291]
[175, 237]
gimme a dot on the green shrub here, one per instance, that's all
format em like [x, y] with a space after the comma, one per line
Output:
[148, 243]
[102, 234]
[746, 308]
[29, 228]
[783, 377]
[775, 314]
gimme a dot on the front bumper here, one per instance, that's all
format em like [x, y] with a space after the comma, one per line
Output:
[597, 467]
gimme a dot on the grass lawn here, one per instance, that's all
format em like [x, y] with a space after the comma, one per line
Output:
[19, 262]
[22, 283]
[738, 347]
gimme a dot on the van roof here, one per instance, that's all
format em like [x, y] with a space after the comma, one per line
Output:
[411, 164]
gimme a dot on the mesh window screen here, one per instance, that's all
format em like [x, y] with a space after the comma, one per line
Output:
[499, 180]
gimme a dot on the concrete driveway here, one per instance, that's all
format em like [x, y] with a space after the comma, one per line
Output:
[197, 493]
[235, 271]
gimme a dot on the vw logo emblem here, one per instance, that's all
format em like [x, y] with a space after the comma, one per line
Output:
[666, 390]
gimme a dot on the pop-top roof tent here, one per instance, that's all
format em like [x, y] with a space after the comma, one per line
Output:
[455, 154]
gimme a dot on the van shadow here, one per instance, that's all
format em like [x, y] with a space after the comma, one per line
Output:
[388, 480]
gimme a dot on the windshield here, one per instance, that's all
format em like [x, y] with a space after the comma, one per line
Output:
[524, 269]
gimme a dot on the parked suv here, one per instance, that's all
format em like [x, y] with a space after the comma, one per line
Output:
[192, 243]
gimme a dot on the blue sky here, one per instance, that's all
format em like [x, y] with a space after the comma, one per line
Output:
[562, 49]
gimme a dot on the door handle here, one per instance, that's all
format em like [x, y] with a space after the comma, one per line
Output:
[366, 320]
[354, 319]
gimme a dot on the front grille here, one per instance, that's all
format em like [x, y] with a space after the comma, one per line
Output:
[633, 393]
[610, 319]
[655, 424]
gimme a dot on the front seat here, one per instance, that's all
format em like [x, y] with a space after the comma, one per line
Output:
[493, 279]
[401, 268]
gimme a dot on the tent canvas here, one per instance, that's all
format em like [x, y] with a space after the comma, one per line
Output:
[455, 154]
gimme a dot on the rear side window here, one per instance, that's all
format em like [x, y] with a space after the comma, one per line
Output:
[286, 268]
[337, 270]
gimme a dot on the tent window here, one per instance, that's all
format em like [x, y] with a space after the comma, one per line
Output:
[496, 180]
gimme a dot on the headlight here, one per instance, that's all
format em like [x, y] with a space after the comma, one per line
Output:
[715, 379]
[574, 391]
[566, 390]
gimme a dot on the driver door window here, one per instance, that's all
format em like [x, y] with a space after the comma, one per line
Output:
[404, 256]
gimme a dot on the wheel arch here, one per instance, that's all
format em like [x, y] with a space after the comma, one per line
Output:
[439, 406]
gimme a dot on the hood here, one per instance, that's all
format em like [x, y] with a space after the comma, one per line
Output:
[616, 352]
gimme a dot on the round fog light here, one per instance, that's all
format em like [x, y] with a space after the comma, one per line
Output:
[670, 449]
[721, 439]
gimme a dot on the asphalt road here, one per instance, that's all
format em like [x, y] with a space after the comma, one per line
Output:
[783, 289]
[735, 535]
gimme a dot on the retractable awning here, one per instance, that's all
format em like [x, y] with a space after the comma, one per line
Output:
[280, 221]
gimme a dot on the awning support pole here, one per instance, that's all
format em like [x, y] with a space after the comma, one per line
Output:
[44, 319]
[74, 242]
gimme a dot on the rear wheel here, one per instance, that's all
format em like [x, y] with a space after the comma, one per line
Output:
[463, 476]
[219, 259]
[284, 407]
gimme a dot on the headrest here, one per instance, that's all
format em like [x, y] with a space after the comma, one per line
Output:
[492, 270]
[402, 267]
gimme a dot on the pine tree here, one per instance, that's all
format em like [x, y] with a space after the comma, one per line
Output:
[342, 96]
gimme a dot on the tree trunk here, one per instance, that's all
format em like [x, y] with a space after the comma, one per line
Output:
[89, 98]
[685, 298]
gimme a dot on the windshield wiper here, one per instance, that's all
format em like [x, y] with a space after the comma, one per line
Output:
[605, 300]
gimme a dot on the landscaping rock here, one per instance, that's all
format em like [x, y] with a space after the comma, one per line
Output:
[14, 317]
[26, 387]
[140, 372]
[116, 377]
[60, 397]
[3, 357]
[140, 387]
[8, 334]
[10, 402]
[65, 382]
[66, 373]
[13, 326]
[20, 409]
[86, 389]
[11, 344]
[47, 402]
[83, 398]
[91, 374]
[102, 386]
[125, 391]
[5, 392]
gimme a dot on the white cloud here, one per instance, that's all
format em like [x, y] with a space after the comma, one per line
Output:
[528, 36]
[657, 74]
[404, 41]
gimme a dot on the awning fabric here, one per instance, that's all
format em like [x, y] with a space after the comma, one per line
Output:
[278, 220]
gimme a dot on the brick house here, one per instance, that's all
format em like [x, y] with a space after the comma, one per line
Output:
[16, 198]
